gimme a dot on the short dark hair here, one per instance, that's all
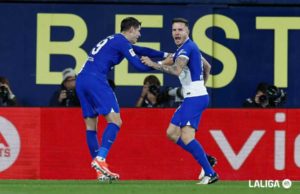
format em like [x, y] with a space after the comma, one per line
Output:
[129, 22]
[181, 20]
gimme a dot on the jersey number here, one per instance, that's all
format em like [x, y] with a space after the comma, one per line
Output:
[100, 45]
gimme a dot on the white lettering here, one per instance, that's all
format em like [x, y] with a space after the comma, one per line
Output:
[264, 184]
[249, 184]
[236, 160]
[297, 151]
[279, 152]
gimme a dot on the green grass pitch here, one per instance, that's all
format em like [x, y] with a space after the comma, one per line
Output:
[135, 187]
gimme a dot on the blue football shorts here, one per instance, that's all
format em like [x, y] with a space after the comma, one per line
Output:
[95, 95]
[190, 111]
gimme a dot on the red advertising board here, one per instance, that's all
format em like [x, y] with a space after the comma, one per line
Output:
[249, 144]
[20, 138]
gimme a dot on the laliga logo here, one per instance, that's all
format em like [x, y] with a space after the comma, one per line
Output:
[286, 184]
[9, 144]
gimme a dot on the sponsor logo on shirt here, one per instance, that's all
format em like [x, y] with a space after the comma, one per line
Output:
[132, 53]
[182, 52]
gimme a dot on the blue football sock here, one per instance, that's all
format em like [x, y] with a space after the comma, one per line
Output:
[108, 138]
[195, 148]
[181, 144]
[92, 141]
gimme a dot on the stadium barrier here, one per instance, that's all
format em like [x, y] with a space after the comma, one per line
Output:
[49, 143]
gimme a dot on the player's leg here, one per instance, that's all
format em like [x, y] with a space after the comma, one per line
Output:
[92, 141]
[114, 123]
[190, 114]
[91, 135]
[94, 101]
[102, 101]
[109, 135]
[93, 145]
[212, 161]
[174, 134]
[195, 148]
[83, 88]
[174, 131]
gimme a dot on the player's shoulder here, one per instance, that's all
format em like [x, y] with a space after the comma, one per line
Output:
[118, 38]
[192, 45]
[186, 48]
[119, 41]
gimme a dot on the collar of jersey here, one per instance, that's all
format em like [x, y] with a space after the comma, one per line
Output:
[183, 43]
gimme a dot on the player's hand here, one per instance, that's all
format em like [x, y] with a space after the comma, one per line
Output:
[170, 55]
[168, 61]
[147, 61]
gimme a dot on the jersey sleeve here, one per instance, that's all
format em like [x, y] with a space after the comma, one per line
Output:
[144, 51]
[185, 52]
[130, 55]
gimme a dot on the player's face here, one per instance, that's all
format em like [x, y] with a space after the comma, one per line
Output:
[180, 33]
[135, 34]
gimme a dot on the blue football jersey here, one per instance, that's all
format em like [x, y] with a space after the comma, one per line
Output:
[191, 77]
[195, 94]
[93, 90]
[112, 50]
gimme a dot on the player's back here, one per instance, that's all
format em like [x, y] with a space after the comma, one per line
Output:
[105, 55]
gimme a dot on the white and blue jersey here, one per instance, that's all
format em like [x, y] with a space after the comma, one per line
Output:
[93, 90]
[194, 91]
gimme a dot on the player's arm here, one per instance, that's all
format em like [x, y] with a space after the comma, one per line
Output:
[168, 60]
[206, 69]
[175, 69]
[133, 59]
[152, 53]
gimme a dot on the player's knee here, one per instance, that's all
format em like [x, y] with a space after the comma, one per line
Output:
[91, 123]
[186, 138]
[118, 122]
[115, 119]
[172, 136]
[187, 134]
[169, 134]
